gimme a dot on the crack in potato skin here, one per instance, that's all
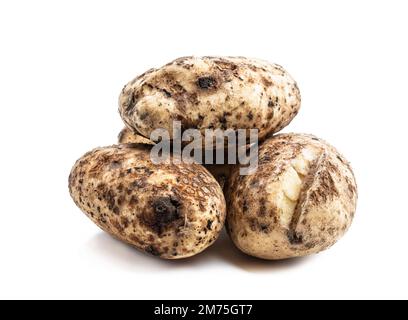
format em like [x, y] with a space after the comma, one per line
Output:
[267, 222]
[211, 93]
[169, 210]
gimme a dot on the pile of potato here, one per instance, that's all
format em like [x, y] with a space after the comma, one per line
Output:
[300, 200]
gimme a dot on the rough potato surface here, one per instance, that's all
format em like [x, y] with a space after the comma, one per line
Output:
[220, 172]
[211, 93]
[128, 136]
[168, 210]
[300, 201]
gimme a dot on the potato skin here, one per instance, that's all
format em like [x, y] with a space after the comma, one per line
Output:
[211, 92]
[300, 201]
[128, 136]
[220, 172]
[170, 210]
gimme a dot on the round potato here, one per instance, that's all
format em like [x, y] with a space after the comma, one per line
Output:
[211, 93]
[169, 210]
[300, 201]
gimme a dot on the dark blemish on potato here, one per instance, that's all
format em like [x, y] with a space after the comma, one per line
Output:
[262, 207]
[167, 93]
[223, 121]
[245, 206]
[351, 188]
[143, 170]
[270, 115]
[109, 197]
[120, 188]
[116, 225]
[266, 82]
[294, 238]
[166, 210]
[133, 201]
[206, 82]
[143, 116]
[264, 227]
[138, 184]
[116, 164]
[310, 245]
[153, 251]
[209, 224]
[135, 239]
[124, 222]
[250, 115]
[252, 224]
[271, 104]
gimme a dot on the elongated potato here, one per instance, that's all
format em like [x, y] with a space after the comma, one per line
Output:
[300, 201]
[211, 93]
[169, 210]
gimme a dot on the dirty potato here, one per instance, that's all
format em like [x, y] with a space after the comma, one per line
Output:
[170, 210]
[211, 93]
[300, 201]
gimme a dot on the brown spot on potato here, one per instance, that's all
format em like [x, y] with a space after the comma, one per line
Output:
[294, 238]
[266, 82]
[209, 224]
[166, 210]
[207, 82]
[152, 250]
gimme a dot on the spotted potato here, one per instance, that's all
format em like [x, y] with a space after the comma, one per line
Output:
[300, 201]
[169, 210]
[211, 93]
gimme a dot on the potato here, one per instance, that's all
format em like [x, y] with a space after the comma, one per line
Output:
[169, 210]
[300, 201]
[219, 171]
[211, 93]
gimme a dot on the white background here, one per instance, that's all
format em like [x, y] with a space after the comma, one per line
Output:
[62, 66]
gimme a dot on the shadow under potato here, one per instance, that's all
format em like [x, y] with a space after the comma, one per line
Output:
[223, 250]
